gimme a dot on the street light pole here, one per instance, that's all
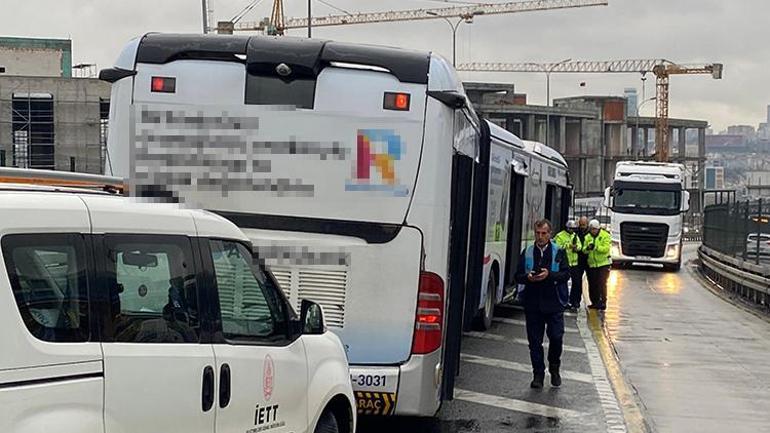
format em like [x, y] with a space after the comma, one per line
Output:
[638, 114]
[467, 18]
[548, 72]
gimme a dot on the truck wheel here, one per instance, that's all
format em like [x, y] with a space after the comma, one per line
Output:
[484, 318]
[675, 267]
[327, 423]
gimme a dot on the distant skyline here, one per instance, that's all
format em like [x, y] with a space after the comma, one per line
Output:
[687, 31]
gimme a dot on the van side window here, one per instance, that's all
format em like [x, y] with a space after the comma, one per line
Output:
[152, 289]
[249, 305]
[49, 281]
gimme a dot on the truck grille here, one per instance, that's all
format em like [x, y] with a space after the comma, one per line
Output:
[643, 239]
[327, 287]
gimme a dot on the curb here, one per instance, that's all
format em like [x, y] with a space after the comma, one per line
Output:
[630, 404]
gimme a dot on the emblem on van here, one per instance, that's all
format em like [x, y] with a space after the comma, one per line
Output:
[283, 70]
[268, 376]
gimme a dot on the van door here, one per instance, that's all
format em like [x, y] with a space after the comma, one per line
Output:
[262, 372]
[158, 375]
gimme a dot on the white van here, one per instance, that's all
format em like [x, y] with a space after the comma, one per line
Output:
[120, 316]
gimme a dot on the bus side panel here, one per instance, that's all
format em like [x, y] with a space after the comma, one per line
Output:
[500, 169]
[430, 212]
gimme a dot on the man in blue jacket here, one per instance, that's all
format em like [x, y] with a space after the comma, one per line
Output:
[544, 271]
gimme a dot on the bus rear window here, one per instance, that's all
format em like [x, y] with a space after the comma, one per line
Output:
[266, 90]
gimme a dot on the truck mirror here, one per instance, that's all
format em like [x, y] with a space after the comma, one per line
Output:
[685, 201]
[608, 202]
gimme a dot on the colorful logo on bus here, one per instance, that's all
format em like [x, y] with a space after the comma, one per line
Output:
[375, 169]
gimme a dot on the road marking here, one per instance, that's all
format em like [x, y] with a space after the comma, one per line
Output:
[525, 368]
[516, 405]
[524, 323]
[497, 337]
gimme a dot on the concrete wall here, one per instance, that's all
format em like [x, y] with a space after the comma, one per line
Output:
[77, 129]
[33, 57]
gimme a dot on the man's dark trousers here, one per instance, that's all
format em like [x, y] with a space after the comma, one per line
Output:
[553, 325]
[576, 292]
[597, 285]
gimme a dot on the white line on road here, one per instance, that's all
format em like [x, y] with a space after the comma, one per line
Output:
[524, 323]
[496, 337]
[526, 368]
[613, 416]
[516, 405]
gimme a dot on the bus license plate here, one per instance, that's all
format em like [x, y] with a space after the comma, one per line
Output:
[375, 389]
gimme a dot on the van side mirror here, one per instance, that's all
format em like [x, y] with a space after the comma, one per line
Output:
[685, 201]
[312, 318]
[608, 201]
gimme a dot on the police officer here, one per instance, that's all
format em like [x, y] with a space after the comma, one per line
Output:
[569, 241]
[544, 271]
[597, 245]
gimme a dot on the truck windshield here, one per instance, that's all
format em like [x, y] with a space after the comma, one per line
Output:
[647, 201]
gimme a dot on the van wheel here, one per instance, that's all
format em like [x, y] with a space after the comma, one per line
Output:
[327, 423]
[484, 319]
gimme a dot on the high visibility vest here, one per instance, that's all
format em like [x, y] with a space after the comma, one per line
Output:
[571, 245]
[600, 255]
[562, 290]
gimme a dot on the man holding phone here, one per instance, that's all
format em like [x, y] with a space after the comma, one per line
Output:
[544, 271]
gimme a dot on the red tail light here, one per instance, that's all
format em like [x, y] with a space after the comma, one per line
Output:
[429, 321]
[163, 84]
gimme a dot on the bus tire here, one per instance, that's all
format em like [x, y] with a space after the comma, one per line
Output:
[327, 423]
[484, 318]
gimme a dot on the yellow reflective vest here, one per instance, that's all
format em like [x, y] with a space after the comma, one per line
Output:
[571, 245]
[599, 256]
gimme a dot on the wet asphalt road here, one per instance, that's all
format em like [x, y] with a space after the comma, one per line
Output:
[699, 363]
[696, 362]
[493, 393]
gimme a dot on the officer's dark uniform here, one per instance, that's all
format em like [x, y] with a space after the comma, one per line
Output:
[543, 309]
[576, 293]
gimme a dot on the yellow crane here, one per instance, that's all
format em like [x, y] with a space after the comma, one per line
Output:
[661, 68]
[278, 24]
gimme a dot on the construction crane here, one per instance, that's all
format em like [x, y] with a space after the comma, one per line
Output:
[661, 68]
[277, 24]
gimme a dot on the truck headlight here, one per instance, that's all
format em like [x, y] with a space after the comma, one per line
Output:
[615, 249]
[672, 252]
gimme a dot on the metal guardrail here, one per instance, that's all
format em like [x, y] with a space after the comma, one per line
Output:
[749, 280]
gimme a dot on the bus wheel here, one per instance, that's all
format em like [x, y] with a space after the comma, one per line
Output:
[484, 318]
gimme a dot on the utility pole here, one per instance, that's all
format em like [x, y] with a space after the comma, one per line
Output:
[309, 19]
[205, 17]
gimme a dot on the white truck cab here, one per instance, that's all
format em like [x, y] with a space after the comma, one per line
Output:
[120, 316]
[648, 201]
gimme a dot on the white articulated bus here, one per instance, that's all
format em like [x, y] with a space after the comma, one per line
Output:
[362, 176]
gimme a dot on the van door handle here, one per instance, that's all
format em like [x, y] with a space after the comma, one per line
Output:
[207, 394]
[224, 386]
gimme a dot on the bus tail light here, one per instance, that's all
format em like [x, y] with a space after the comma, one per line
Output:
[397, 101]
[429, 319]
[163, 84]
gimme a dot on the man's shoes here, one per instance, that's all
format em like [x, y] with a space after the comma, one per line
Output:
[538, 380]
[555, 378]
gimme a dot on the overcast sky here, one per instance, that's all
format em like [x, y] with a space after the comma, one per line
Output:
[733, 32]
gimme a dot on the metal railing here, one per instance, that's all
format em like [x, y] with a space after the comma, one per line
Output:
[739, 229]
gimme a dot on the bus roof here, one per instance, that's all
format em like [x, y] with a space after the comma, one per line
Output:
[304, 57]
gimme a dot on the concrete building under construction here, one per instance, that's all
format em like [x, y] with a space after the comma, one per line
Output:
[593, 133]
[48, 118]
